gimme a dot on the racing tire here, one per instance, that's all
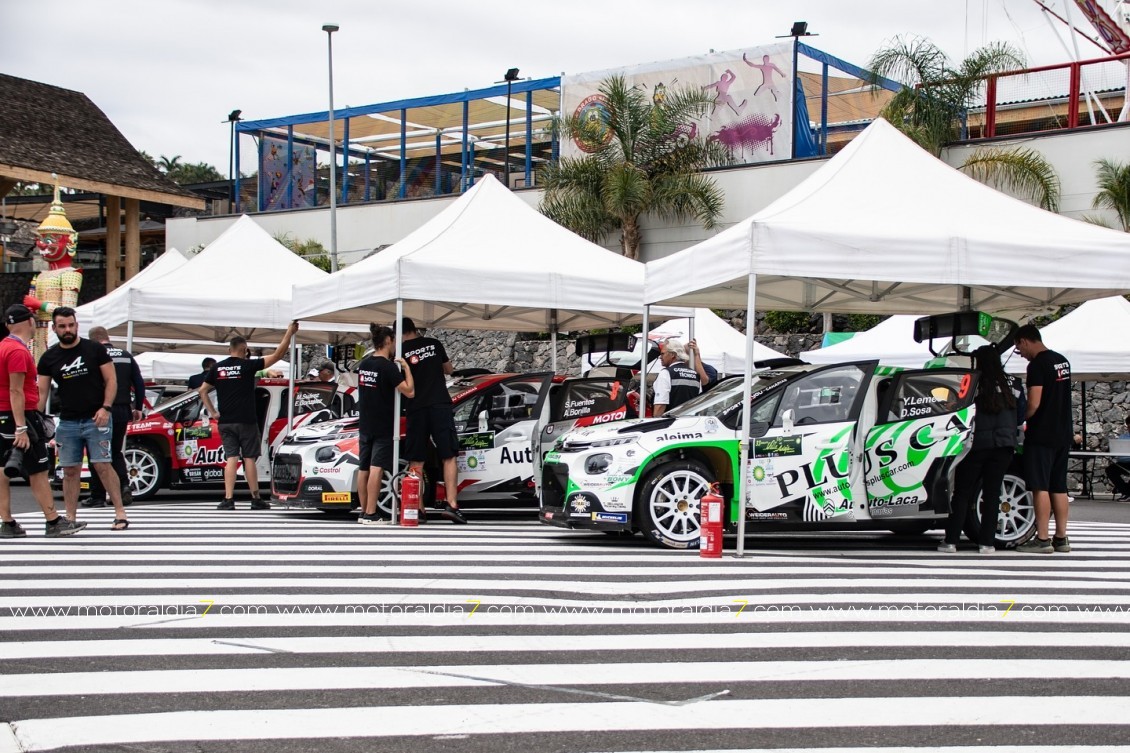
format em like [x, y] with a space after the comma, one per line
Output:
[1017, 517]
[667, 505]
[390, 489]
[146, 470]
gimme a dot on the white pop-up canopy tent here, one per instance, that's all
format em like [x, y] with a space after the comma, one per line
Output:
[488, 261]
[1095, 338]
[883, 227]
[720, 345]
[111, 309]
[240, 284]
[891, 341]
[160, 367]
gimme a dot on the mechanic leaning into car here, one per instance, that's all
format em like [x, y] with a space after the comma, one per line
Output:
[124, 410]
[378, 381]
[677, 382]
[430, 413]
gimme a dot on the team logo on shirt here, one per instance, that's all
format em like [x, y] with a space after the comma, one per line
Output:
[74, 366]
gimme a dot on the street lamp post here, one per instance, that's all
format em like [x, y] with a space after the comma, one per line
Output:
[330, 29]
[510, 77]
[233, 118]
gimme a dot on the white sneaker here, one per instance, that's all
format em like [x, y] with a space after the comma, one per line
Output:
[947, 548]
[987, 550]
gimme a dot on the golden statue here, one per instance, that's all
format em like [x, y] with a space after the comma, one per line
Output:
[60, 283]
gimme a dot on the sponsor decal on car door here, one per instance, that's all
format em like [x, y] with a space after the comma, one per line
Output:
[806, 466]
[577, 403]
[495, 430]
[923, 428]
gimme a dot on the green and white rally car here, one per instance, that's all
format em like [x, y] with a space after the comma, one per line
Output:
[849, 445]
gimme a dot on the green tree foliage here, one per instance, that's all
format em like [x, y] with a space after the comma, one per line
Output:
[1114, 190]
[1024, 172]
[186, 173]
[935, 97]
[936, 94]
[309, 249]
[861, 322]
[639, 160]
[788, 322]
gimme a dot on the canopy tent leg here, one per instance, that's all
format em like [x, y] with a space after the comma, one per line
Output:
[129, 336]
[643, 363]
[397, 353]
[553, 340]
[290, 387]
[741, 491]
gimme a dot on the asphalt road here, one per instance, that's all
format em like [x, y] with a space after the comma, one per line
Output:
[506, 636]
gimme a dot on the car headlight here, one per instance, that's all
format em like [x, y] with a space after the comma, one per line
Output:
[325, 454]
[616, 441]
[598, 463]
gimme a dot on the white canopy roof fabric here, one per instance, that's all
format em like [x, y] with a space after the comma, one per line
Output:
[112, 309]
[487, 261]
[240, 284]
[162, 367]
[1095, 338]
[720, 345]
[891, 341]
[883, 227]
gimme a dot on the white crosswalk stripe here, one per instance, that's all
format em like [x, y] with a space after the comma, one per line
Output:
[203, 630]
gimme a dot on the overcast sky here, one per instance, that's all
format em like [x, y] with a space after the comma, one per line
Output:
[168, 72]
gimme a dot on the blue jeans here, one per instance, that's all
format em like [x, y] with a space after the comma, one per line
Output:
[75, 435]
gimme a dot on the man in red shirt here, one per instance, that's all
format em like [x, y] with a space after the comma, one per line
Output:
[22, 430]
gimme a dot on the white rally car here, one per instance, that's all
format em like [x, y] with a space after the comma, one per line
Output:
[852, 445]
[498, 418]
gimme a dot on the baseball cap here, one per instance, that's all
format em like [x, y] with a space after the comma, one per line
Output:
[17, 313]
[312, 373]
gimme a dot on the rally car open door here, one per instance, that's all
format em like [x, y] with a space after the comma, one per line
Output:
[496, 427]
[805, 449]
[578, 403]
[922, 429]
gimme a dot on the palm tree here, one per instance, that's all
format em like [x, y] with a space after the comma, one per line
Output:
[936, 94]
[1024, 172]
[168, 164]
[935, 98]
[1114, 189]
[642, 157]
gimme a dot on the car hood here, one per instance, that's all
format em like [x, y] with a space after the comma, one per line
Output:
[662, 428]
[324, 430]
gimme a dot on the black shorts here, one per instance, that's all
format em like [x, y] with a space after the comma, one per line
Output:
[374, 451]
[1045, 468]
[436, 422]
[240, 440]
[36, 457]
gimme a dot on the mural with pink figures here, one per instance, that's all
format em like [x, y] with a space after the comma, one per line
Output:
[752, 92]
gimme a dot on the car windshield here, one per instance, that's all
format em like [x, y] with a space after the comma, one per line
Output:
[723, 397]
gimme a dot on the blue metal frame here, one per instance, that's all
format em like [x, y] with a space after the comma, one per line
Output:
[344, 182]
[529, 135]
[290, 166]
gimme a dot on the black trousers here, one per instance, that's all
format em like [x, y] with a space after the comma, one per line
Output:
[122, 415]
[1119, 475]
[979, 470]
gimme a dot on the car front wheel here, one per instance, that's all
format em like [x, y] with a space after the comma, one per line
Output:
[145, 470]
[667, 507]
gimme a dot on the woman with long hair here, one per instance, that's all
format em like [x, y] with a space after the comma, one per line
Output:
[994, 442]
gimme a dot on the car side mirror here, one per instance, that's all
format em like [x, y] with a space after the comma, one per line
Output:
[788, 420]
[758, 429]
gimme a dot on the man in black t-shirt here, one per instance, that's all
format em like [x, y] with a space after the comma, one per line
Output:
[1047, 439]
[87, 388]
[430, 414]
[128, 404]
[234, 381]
[378, 381]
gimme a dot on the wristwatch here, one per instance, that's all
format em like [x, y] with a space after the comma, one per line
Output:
[108, 408]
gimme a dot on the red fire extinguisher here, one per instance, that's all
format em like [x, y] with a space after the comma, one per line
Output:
[410, 500]
[710, 523]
